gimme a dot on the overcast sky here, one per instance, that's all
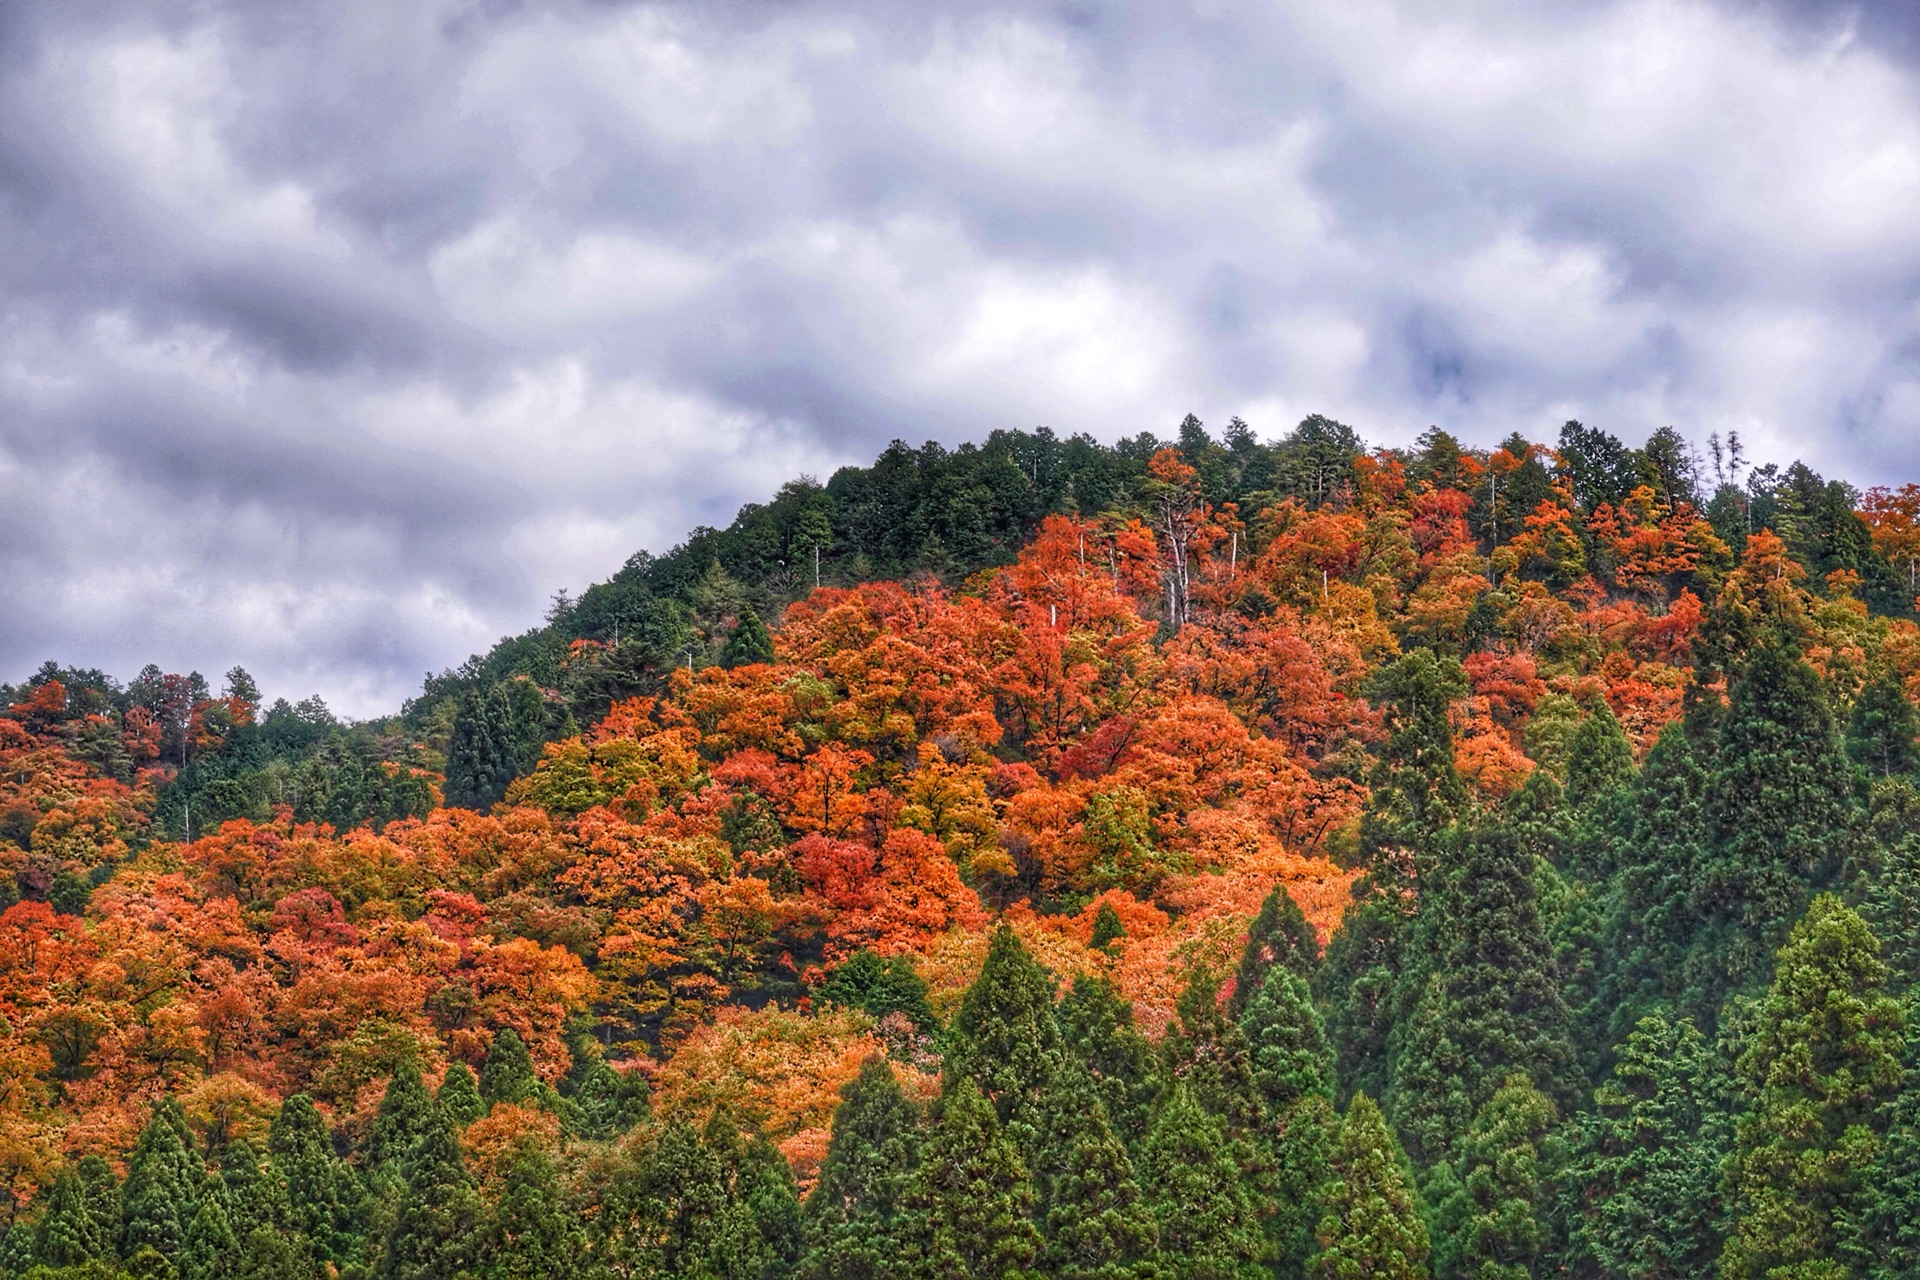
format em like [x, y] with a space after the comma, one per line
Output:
[336, 336]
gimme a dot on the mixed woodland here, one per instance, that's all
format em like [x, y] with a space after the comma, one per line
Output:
[1190, 859]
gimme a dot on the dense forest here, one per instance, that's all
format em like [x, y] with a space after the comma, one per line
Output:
[1199, 859]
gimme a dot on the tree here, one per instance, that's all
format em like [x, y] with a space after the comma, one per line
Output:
[1209, 1226]
[853, 1218]
[750, 642]
[459, 1096]
[1638, 1194]
[1883, 728]
[1097, 1029]
[969, 1211]
[1096, 1223]
[82, 1218]
[209, 1243]
[1599, 466]
[1372, 1224]
[322, 1193]
[1599, 760]
[609, 1102]
[1107, 927]
[437, 1225]
[1824, 1058]
[532, 1233]
[880, 986]
[407, 1114]
[1279, 935]
[1005, 1037]
[162, 1187]
[507, 1073]
[1290, 1056]
[1494, 1227]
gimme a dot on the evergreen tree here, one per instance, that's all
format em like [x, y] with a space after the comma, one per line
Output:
[610, 1102]
[1371, 1224]
[667, 1213]
[80, 1223]
[764, 1239]
[407, 1114]
[1107, 928]
[1493, 1230]
[1416, 789]
[880, 986]
[1209, 1226]
[1096, 1224]
[1097, 1029]
[507, 1073]
[532, 1234]
[853, 1217]
[1302, 1145]
[1279, 935]
[1207, 1052]
[1885, 879]
[1781, 814]
[163, 1176]
[1638, 1195]
[1599, 760]
[1882, 730]
[209, 1245]
[255, 1194]
[17, 1259]
[1824, 1057]
[323, 1195]
[1288, 1044]
[750, 642]
[1004, 1036]
[438, 1221]
[266, 1254]
[459, 1096]
[1883, 1243]
[969, 1212]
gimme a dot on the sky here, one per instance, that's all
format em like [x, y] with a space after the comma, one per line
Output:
[336, 336]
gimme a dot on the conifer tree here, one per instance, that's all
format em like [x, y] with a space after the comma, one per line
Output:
[1824, 1058]
[81, 1223]
[749, 643]
[1492, 1229]
[1107, 928]
[667, 1213]
[969, 1212]
[266, 1254]
[1097, 1225]
[1885, 879]
[1302, 1145]
[1207, 1052]
[532, 1234]
[16, 1252]
[160, 1195]
[438, 1221]
[853, 1217]
[880, 986]
[507, 1073]
[255, 1194]
[322, 1194]
[1279, 935]
[1209, 1225]
[764, 1207]
[1005, 1037]
[209, 1246]
[1637, 1197]
[1599, 760]
[1288, 1044]
[407, 1113]
[609, 1102]
[1371, 1223]
[1097, 1028]
[459, 1096]
[1881, 732]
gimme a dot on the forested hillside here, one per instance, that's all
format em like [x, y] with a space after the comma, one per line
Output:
[1175, 861]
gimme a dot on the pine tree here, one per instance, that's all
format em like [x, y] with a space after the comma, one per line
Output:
[209, 1244]
[507, 1073]
[1638, 1195]
[761, 1182]
[459, 1096]
[1416, 789]
[266, 1254]
[1883, 1243]
[1207, 1052]
[82, 1218]
[1882, 730]
[880, 986]
[1371, 1224]
[1493, 1228]
[1599, 760]
[163, 1176]
[1290, 1055]
[667, 1213]
[1782, 818]
[1209, 1225]
[1824, 1057]
[1302, 1145]
[853, 1217]
[532, 1234]
[1279, 935]
[407, 1114]
[1107, 928]
[438, 1221]
[322, 1194]
[610, 1102]
[1005, 1038]
[255, 1194]
[1097, 1029]
[1096, 1224]
[969, 1212]
[1885, 879]
[749, 643]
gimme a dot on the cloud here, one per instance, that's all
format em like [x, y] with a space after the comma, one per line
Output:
[335, 337]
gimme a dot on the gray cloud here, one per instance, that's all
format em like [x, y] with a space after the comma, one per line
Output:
[333, 337]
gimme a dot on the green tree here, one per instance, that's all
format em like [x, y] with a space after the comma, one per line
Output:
[209, 1245]
[162, 1187]
[459, 1096]
[407, 1113]
[1279, 935]
[507, 1073]
[853, 1218]
[880, 986]
[1883, 728]
[82, 1218]
[1824, 1058]
[1302, 1144]
[1097, 1225]
[666, 1211]
[1097, 1029]
[532, 1233]
[750, 642]
[1493, 1228]
[609, 1102]
[1107, 928]
[1599, 760]
[1638, 1194]
[969, 1212]
[256, 1194]
[322, 1194]
[1209, 1225]
[1372, 1224]
[438, 1222]
[1004, 1036]
[1288, 1044]
[1207, 1052]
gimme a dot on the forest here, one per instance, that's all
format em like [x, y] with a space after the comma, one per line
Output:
[1185, 859]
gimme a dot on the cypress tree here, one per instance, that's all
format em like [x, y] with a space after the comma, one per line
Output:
[255, 1194]
[459, 1096]
[1209, 1226]
[969, 1213]
[1416, 790]
[749, 643]
[479, 751]
[1371, 1224]
[507, 1074]
[1637, 1197]
[1279, 935]
[266, 1254]
[1882, 729]
[610, 1102]
[1302, 1145]
[16, 1253]
[209, 1244]
[81, 1223]
[1290, 1057]
[1096, 1224]
[438, 1221]
[1883, 1243]
[1886, 879]
[1824, 1057]
[667, 1212]
[158, 1201]
[880, 986]
[1107, 928]
[853, 1217]
[1097, 1028]
[532, 1234]
[764, 1238]
[407, 1114]
[322, 1194]
[1005, 1038]
[1493, 1228]
[1207, 1052]
[1599, 761]
[1781, 815]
